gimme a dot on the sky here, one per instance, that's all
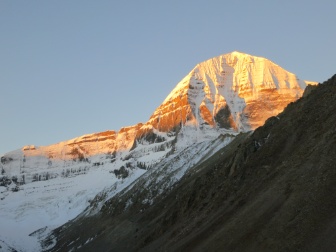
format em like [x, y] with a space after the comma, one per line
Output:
[70, 68]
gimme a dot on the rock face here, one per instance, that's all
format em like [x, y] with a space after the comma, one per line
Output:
[235, 92]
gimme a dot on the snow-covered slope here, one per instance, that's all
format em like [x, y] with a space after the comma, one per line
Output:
[218, 99]
[32, 211]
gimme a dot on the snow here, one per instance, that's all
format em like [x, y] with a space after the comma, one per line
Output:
[51, 203]
[164, 175]
[196, 153]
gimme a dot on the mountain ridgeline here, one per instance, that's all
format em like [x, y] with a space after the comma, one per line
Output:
[176, 182]
[234, 92]
[270, 190]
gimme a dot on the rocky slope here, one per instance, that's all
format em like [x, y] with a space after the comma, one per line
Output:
[271, 190]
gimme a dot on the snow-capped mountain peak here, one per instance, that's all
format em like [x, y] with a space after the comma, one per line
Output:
[228, 91]
[217, 99]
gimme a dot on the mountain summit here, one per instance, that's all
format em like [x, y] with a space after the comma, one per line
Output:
[234, 92]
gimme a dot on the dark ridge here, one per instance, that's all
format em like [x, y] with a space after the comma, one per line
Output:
[272, 190]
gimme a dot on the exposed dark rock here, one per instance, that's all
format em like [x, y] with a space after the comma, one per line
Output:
[308, 90]
[224, 118]
[6, 160]
[122, 172]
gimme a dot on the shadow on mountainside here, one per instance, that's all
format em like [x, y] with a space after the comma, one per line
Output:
[272, 190]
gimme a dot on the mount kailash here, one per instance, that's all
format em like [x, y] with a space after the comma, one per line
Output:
[44, 187]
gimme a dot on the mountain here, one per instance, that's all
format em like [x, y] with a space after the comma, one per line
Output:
[270, 190]
[219, 99]
[233, 93]
[225, 92]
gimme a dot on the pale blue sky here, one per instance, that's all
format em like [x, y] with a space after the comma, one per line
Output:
[74, 67]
